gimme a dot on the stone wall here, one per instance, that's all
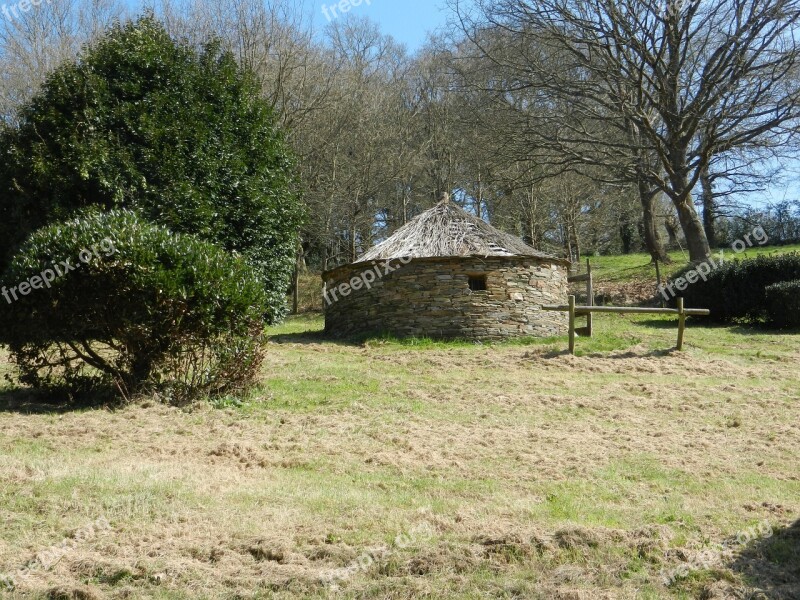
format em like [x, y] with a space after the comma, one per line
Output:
[431, 297]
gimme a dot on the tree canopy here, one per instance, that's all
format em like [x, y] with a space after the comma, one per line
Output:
[177, 133]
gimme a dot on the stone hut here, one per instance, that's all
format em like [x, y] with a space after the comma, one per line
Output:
[447, 274]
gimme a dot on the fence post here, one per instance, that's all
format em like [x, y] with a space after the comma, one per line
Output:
[589, 297]
[658, 285]
[572, 325]
[681, 323]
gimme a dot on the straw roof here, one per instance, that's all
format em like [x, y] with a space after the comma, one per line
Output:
[447, 230]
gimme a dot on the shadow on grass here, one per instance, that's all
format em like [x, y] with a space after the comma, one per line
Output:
[611, 354]
[365, 339]
[702, 323]
[762, 330]
[28, 401]
[773, 564]
[313, 337]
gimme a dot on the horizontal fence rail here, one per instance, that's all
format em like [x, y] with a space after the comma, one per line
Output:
[681, 312]
[580, 310]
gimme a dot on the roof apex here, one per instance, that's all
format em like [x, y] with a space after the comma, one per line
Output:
[447, 230]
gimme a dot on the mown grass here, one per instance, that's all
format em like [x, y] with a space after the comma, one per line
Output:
[542, 475]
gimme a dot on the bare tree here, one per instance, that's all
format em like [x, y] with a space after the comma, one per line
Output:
[35, 41]
[694, 79]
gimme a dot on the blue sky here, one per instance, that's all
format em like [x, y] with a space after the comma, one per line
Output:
[408, 21]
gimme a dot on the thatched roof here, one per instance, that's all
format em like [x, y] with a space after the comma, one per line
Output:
[447, 230]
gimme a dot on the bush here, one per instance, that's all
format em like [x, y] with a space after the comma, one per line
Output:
[181, 135]
[141, 308]
[783, 303]
[737, 290]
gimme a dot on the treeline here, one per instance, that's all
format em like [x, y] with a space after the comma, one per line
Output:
[780, 222]
[581, 132]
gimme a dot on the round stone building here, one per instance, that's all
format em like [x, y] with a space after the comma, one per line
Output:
[447, 274]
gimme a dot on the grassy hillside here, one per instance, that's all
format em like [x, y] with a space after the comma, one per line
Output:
[633, 267]
[427, 470]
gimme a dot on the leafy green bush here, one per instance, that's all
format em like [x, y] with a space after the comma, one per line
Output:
[737, 290]
[145, 122]
[108, 298]
[783, 303]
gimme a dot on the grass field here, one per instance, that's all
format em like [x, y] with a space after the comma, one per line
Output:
[634, 267]
[426, 470]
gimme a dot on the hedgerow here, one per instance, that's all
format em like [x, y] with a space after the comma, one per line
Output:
[783, 303]
[737, 290]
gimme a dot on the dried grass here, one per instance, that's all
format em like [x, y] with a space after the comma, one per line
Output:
[549, 476]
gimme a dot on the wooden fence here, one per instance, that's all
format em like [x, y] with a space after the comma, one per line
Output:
[588, 278]
[575, 311]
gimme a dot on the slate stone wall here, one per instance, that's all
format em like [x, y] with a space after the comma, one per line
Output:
[432, 298]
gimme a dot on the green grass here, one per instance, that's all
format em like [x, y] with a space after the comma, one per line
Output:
[635, 267]
[611, 333]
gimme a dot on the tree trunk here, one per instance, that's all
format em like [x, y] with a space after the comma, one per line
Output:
[576, 242]
[693, 231]
[671, 225]
[479, 198]
[530, 227]
[652, 236]
[566, 239]
[296, 280]
[709, 208]
[626, 235]
[692, 226]
[531, 234]
[296, 291]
